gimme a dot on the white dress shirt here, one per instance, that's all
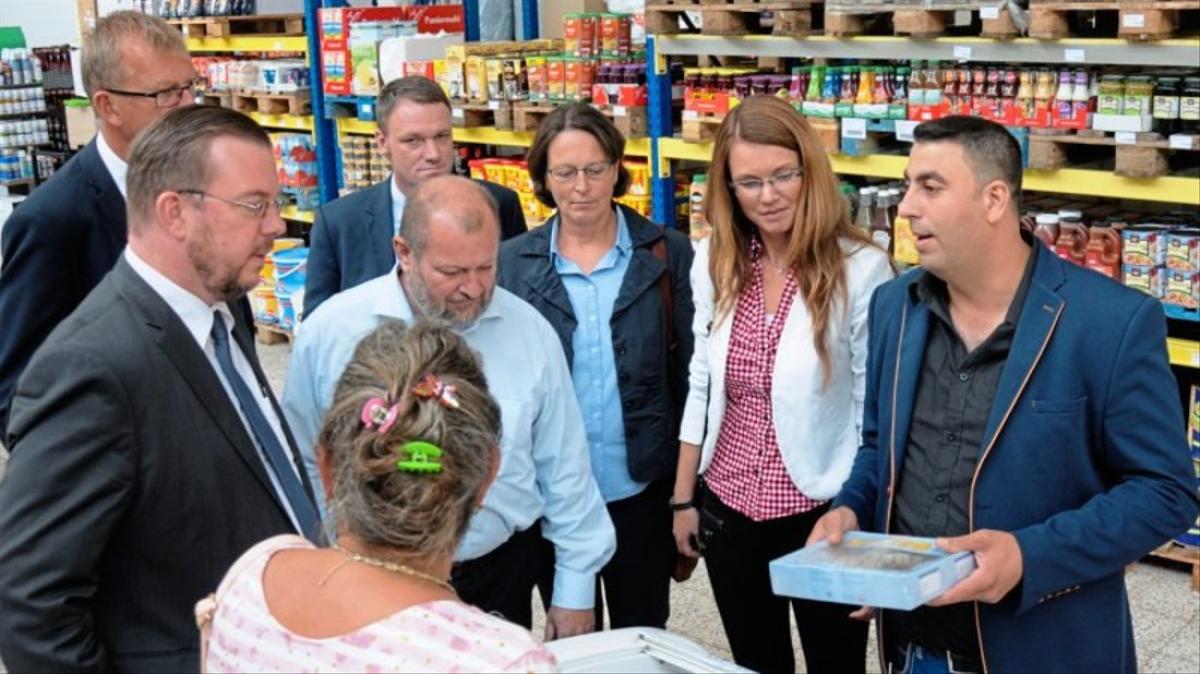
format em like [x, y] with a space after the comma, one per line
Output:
[117, 168]
[197, 317]
[398, 201]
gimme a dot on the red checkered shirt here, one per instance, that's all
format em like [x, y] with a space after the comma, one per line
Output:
[747, 471]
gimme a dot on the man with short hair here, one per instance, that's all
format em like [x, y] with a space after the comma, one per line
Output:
[148, 453]
[351, 240]
[1020, 408]
[447, 252]
[66, 236]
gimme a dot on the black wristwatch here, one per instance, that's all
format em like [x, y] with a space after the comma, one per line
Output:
[682, 505]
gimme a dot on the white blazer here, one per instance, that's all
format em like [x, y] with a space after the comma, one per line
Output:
[819, 429]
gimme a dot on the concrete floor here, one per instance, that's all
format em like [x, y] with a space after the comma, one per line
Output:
[1166, 611]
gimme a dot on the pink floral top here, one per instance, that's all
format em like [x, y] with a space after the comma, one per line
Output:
[438, 636]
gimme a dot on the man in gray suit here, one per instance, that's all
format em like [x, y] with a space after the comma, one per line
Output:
[148, 452]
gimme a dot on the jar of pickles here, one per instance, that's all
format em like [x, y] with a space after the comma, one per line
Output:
[1112, 95]
[1139, 93]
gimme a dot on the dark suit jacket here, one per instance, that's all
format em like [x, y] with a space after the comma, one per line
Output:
[351, 240]
[57, 246]
[652, 380]
[132, 487]
[1084, 459]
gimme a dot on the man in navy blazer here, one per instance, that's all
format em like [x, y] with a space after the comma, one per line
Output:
[67, 235]
[351, 240]
[1018, 407]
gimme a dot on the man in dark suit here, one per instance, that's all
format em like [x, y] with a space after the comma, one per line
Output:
[351, 241]
[148, 452]
[65, 237]
[1018, 407]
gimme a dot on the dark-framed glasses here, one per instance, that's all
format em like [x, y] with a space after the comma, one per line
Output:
[163, 98]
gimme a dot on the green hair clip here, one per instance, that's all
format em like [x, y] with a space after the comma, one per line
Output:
[419, 456]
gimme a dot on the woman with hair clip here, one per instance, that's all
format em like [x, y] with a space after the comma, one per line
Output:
[774, 408]
[407, 451]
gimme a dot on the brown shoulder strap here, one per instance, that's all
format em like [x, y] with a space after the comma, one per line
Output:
[664, 288]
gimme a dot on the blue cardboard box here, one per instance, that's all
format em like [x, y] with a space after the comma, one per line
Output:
[885, 571]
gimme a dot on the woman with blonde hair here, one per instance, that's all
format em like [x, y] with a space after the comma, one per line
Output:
[777, 377]
[407, 451]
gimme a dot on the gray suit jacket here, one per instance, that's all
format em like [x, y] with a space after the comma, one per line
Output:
[132, 487]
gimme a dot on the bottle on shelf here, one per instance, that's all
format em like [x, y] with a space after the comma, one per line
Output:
[1062, 97]
[881, 221]
[863, 216]
[1080, 95]
[1072, 241]
[1103, 252]
[1046, 228]
[916, 84]
[697, 226]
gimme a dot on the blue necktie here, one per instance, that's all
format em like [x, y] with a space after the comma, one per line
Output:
[277, 457]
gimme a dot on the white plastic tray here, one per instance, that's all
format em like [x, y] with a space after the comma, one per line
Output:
[636, 649]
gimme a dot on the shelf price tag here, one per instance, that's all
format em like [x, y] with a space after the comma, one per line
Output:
[690, 115]
[962, 52]
[1074, 55]
[619, 111]
[457, 113]
[493, 105]
[1133, 20]
[854, 128]
[1181, 141]
[904, 129]
[989, 12]
[1126, 138]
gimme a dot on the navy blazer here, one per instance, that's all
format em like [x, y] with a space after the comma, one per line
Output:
[57, 246]
[1085, 459]
[651, 379]
[351, 240]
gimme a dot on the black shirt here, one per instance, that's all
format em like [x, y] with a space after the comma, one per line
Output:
[945, 441]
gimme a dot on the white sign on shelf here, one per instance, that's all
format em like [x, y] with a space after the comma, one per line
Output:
[854, 128]
[962, 52]
[457, 113]
[1074, 55]
[690, 115]
[1126, 138]
[493, 105]
[1133, 20]
[904, 129]
[989, 12]
[619, 111]
[1181, 141]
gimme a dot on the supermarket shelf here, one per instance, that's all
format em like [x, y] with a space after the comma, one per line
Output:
[486, 135]
[1084, 51]
[293, 213]
[1082, 182]
[248, 43]
[290, 122]
[1184, 352]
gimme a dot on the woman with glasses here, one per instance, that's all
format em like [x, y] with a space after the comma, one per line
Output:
[775, 402]
[615, 287]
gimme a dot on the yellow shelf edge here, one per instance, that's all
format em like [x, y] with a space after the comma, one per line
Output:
[293, 213]
[356, 126]
[1183, 352]
[288, 122]
[1080, 182]
[897, 39]
[248, 43]
[486, 135]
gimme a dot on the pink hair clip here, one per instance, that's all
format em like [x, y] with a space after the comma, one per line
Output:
[433, 387]
[377, 414]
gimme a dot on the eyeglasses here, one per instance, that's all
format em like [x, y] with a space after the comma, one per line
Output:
[259, 210]
[752, 187]
[566, 174]
[163, 98]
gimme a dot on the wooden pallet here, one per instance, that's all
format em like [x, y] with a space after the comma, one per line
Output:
[1184, 555]
[1129, 19]
[272, 334]
[793, 18]
[528, 116]
[631, 121]
[700, 127]
[916, 18]
[469, 115]
[298, 103]
[1148, 157]
[228, 26]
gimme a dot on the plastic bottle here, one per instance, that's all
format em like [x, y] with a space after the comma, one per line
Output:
[866, 87]
[866, 200]
[881, 221]
[883, 92]
[1080, 95]
[36, 62]
[1062, 97]
[1025, 94]
[697, 225]
[916, 84]
[1072, 241]
[933, 92]
[1103, 253]
[815, 83]
[1046, 228]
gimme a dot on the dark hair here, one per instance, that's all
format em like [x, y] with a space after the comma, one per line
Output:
[582, 117]
[173, 153]
[412, 88]
[422, 513]
[990, 149]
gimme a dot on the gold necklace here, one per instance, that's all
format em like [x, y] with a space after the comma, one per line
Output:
[393, 567]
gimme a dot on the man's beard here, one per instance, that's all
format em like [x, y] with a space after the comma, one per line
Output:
[223, 288]
[428, 306]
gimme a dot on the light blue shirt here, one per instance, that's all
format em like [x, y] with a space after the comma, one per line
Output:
[398, 201]
[544, 468]
[594, 369]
